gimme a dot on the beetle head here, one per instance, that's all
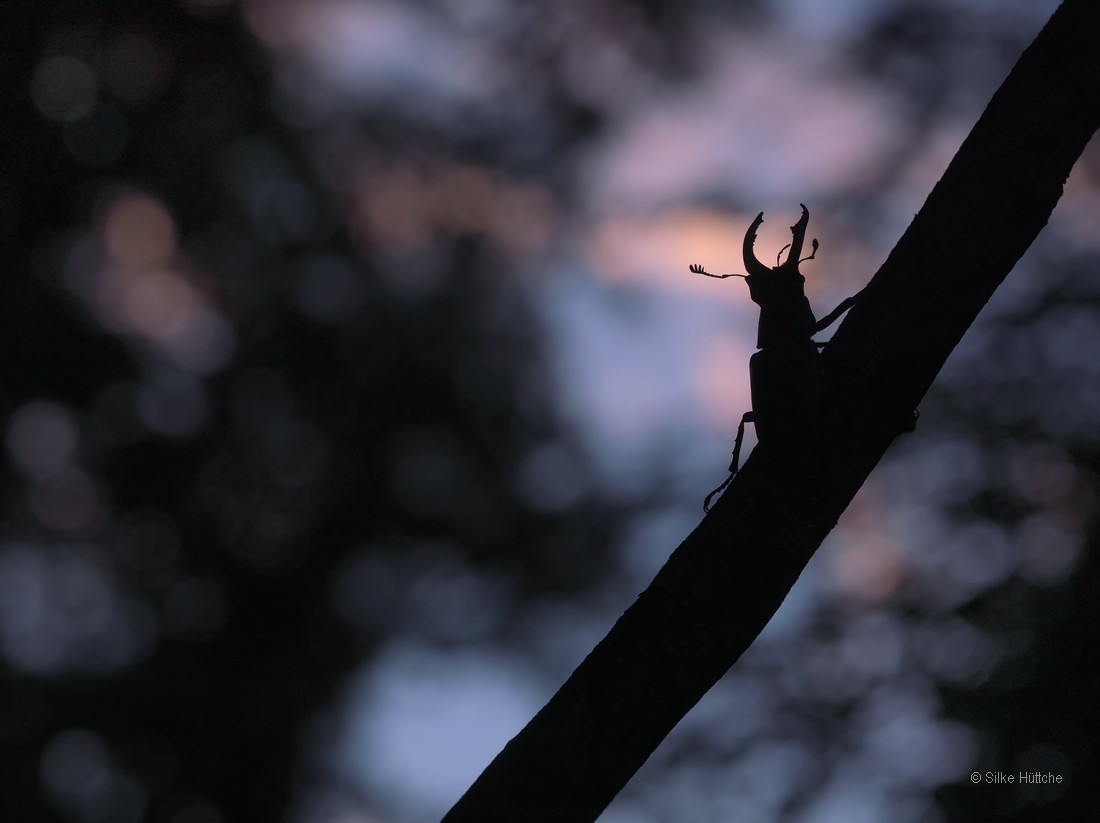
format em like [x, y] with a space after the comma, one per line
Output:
[767, 284]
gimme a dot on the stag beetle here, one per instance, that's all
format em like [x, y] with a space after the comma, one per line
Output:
[785, 376]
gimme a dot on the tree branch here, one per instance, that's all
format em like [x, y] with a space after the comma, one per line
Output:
[726, 580]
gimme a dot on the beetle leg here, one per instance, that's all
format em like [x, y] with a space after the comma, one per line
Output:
[747, 417]
[832, 316]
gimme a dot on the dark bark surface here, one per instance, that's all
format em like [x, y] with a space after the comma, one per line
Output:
[723, 584]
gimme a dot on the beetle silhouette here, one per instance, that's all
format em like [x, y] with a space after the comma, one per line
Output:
[785, 375]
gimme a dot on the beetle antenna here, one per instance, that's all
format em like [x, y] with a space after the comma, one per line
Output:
[781, 253]
[813, 244]
[697, 269]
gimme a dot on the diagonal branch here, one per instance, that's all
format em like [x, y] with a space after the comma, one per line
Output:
[726, 580]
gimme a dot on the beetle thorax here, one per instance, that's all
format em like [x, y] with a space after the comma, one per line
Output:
[786, 318]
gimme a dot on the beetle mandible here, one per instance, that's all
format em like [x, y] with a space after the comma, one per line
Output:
[785, 375]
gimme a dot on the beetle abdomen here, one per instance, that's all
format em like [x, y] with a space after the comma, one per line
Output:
[786, 386]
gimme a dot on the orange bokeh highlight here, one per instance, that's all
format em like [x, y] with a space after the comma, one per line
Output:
[403, 209]
[656, 250]
[869, 567]
[144, 288]
[866, 558]
[140, 233]
[158, 304]
[1078, 211]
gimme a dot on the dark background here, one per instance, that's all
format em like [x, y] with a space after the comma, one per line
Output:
[206, 533]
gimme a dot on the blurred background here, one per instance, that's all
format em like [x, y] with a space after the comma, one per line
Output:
[353, 382]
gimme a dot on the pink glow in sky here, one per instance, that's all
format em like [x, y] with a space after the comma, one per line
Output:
[766, 121]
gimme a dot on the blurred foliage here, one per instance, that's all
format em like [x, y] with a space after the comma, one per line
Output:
[205, 436]
[1021, 390]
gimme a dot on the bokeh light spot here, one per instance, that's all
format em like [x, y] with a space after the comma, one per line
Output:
[1047, 550]
[330, 290]
[1046, 760]
[158, 304]
[76, 771]
[68, 502]
[140, 233]
[64, 88]
[172, 403]
[430, 723]
[551, 478]
[283, 211]
[132, 68]
[41, 439]
[60, 612]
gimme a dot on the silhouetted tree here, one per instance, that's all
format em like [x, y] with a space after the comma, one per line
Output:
[722, 585]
